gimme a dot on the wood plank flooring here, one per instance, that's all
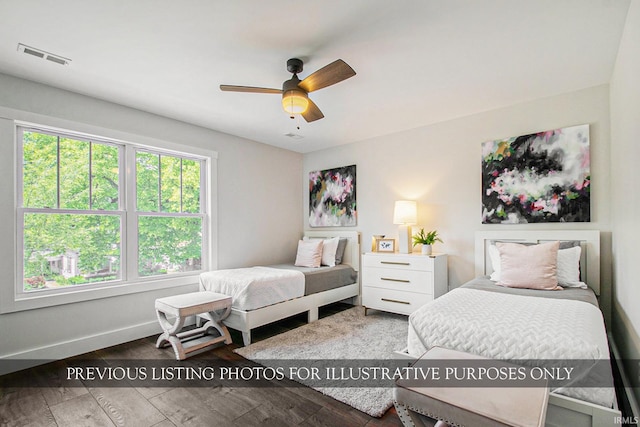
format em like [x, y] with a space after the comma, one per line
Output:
[56, 404]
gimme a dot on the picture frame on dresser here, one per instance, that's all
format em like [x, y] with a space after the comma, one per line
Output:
[386, 245]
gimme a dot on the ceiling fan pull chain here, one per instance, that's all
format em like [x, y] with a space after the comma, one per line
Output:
[296, 117]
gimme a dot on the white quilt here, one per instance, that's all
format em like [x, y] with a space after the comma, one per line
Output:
[503, 326]
[254, 287]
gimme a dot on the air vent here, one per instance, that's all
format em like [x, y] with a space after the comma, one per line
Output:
[39, 53]
[33, 52]
[293, 135]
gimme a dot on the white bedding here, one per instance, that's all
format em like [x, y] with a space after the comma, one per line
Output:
[254, 287]
[503, 326]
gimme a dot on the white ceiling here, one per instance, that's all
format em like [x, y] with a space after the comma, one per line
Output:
[418, 62]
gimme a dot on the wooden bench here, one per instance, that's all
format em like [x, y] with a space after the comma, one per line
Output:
[214, 306]
[424, 405]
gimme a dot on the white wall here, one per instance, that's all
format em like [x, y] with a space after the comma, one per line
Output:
[439, 166]
[258, 196]
[625, 200]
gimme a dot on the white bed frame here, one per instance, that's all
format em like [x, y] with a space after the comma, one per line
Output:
[244, 321]
[562, 410]
[589, 257]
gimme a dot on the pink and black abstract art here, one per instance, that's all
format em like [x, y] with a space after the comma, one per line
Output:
[541, 177]
[332, 197]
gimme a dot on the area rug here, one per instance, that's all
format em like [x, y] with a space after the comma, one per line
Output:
[345, 335]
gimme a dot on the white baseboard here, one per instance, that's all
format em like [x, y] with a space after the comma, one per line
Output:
[41, 355]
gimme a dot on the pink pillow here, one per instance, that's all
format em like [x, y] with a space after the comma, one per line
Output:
[309, 253]
[533, 267]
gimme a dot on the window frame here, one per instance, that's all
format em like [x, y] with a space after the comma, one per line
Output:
[132, 221]
[21, 210]
[130, 281]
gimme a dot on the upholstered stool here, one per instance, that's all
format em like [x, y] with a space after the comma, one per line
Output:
[468, 406]
[215, 307]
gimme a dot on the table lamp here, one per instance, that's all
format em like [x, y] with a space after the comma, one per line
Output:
[405, 214]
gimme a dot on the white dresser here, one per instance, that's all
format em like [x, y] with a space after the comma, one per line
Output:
[401, 283]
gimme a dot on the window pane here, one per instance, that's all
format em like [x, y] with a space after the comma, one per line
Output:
[74, 174]
[104, 177]
[147, 181]
[170, 181]
[190, 186]
[169, 245]
[64, 250]
[40, 170]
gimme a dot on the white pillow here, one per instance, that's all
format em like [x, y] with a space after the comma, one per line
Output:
[568, 266]
[309, 253]
[494, 255]
[329, 249]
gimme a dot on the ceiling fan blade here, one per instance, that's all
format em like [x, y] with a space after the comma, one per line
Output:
[250, 89]
[312, 113]
[328, 75]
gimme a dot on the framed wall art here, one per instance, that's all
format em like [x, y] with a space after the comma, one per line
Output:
[332, 197]
[541, 177]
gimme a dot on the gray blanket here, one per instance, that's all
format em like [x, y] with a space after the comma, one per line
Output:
[483, 283]
[323, 278]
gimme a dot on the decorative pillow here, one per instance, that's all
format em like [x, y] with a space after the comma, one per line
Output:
[569, 268]
[309, 253]
[329, 249]
[568, 271]
[342, 245]
[494, 255]
[533, 267]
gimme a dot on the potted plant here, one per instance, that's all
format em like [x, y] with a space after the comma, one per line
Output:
[426, 240]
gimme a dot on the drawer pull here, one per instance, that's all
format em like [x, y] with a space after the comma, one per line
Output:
[395, 263]
[388, 279]
[395, 300]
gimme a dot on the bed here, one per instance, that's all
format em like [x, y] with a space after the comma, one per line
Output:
[509, 323]
[291, 290]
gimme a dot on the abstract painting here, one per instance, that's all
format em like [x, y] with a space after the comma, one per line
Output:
[541, 177]
[332, 197]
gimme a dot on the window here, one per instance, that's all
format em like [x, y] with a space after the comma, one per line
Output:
[168, 214]
[86, 218]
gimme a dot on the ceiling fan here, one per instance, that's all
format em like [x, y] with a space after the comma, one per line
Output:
[295, 98]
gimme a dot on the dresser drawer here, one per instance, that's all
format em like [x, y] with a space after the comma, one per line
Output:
[394, 301]
[400, 283]
[409, 262]
[400, 280]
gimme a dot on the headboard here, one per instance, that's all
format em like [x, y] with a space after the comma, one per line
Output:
[589, 242]
[351, 251]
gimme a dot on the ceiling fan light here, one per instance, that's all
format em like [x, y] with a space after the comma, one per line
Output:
[294, 101]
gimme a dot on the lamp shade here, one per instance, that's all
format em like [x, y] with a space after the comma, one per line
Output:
[405, 212]
[295, 101]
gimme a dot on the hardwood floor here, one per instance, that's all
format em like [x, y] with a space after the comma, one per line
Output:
[37, 397]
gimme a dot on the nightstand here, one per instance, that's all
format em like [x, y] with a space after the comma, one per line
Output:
[402, 283]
